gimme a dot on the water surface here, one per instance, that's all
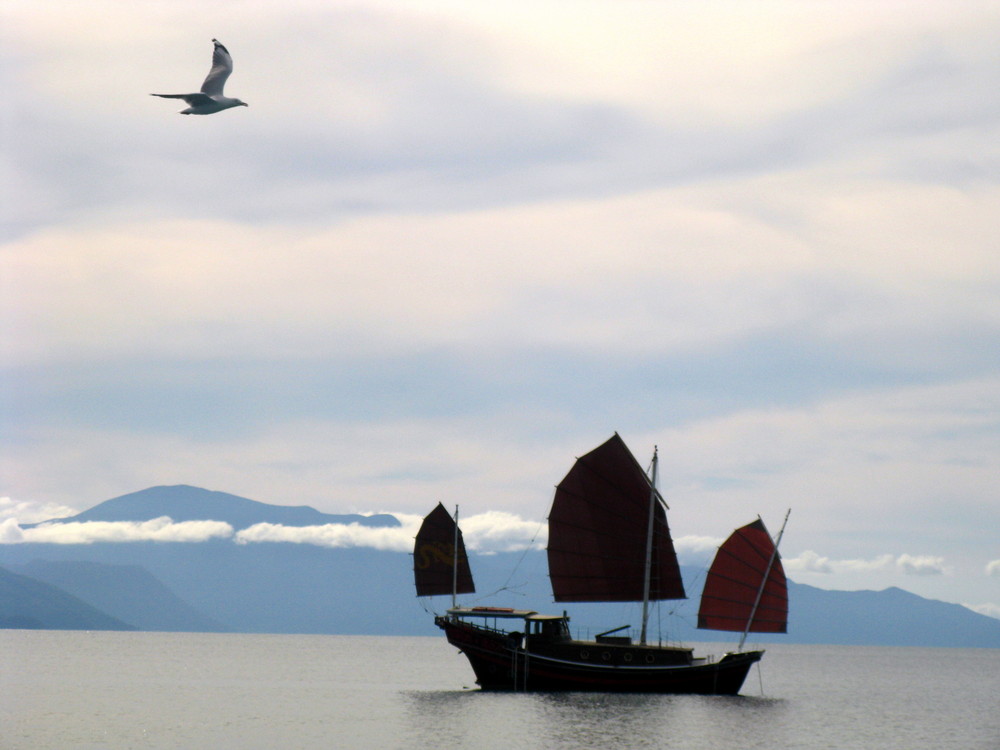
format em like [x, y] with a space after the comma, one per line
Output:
[76, 690]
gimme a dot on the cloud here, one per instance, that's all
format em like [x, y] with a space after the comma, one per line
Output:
[395, 103]
[28, 511]
[10, 532]
[811, 562]
[498, 531]
[540, 225]
[161, 529]
[696, 550]
[993, 568]
[808, 562]
[988, 609]
[485, 533]
[921, 565]
[396, 539]
[882, 562]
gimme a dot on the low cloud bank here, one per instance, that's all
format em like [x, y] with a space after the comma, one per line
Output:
[497, 531]
[486, 533]
[161, 529]
[921, 565]
[395, 539]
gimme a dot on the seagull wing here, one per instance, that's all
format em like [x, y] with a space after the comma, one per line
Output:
[193, 100]
[222, 66]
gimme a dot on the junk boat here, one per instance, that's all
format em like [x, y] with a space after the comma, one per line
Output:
[608, 542]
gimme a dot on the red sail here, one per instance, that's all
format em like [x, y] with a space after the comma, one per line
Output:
[734, 581]
[434, 556]
[597, 532]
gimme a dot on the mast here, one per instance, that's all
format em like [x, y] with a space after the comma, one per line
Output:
[763, 582]
[454, 564]
[649, 550]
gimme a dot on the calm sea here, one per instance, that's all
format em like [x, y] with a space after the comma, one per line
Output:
[69, 690]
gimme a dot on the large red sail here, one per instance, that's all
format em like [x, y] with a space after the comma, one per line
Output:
[597, 532]
[434, 556]
[734, 583]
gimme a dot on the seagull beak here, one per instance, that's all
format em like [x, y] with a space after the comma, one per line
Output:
[244, 104]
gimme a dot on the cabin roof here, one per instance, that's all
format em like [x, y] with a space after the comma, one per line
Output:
[495, 612]
[538, 618]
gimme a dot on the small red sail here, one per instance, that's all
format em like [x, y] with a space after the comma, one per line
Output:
[434, 556]
[734, 582]
[597, 532]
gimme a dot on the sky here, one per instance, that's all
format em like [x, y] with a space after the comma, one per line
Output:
[450, 246]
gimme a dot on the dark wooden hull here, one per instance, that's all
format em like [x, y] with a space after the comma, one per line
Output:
[504, 663]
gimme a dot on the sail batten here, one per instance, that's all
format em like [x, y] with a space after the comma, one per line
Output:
[736, 584]
[435, 558]
[597, 532]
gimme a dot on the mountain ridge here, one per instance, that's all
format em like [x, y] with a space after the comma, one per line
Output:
[281, 587]
[184, 502]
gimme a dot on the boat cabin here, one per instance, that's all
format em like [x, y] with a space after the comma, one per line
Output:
[547, 629]
[538, 628]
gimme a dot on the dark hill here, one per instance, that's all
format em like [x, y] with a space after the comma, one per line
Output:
[891, 617]
[29, 604]
[185, 503]
[127, 592]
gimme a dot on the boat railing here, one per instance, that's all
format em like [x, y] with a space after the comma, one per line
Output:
[483, 625]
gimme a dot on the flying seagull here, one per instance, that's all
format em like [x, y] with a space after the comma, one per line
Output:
[210, 100]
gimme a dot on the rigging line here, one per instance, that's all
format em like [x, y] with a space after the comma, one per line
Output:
[484, 597]
[520, 560]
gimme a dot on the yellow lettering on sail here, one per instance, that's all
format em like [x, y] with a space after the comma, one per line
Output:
[441, 552]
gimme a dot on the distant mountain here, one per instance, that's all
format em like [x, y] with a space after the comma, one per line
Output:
[185, 503]
[127, 592]
[891, 617]
[265, 587]
[273, 587]
[29, 604]
[296, 588]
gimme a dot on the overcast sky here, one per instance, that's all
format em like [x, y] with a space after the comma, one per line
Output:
[450, 246]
